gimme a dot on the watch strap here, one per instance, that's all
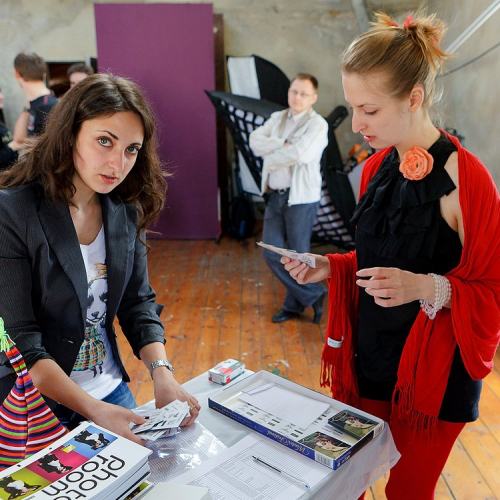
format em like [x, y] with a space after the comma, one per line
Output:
[161, 362]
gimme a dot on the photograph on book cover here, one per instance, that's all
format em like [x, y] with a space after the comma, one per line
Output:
[20, 484]
[324, 444]
[354, 424]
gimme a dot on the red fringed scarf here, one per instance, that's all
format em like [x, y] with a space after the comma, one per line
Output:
[473, 322]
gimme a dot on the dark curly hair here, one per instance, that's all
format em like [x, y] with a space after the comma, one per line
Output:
[48, 160]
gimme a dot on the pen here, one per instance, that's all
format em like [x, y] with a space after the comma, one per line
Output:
[293, 478]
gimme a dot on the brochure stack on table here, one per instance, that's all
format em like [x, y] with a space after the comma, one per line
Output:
[89, 462]
[314, 425]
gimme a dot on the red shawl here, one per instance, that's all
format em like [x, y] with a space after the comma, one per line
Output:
[473, 322]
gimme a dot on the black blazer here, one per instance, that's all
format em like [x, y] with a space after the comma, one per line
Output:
[43, 283]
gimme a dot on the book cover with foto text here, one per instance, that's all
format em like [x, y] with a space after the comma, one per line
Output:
[89, 462]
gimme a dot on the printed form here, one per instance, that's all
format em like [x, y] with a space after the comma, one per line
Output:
[288, 405]
[235, 474]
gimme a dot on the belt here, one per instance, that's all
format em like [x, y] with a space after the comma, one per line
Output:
[280, 191]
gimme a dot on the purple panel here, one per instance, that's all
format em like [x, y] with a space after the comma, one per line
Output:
[168, 50]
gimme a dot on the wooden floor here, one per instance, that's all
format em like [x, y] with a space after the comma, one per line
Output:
[219, 299]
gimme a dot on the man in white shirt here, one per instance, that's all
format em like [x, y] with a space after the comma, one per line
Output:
[291, 144]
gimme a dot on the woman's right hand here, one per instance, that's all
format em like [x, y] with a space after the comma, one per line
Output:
[303, 274]
[117, 419]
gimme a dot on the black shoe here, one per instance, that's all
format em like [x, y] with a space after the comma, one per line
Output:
[283, 315]
[318, 307]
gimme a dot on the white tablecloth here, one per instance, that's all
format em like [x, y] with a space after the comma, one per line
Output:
[346, 483]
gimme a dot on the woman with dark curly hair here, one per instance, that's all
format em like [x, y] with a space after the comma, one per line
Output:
[73, 215]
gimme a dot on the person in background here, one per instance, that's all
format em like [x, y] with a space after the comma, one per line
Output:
[291, 144]
[414, 316]
[30, 71]
[78, 72]
[8, 149]
[74, 211]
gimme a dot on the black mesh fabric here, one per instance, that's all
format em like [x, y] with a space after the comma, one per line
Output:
[242, 115]
[273, 83]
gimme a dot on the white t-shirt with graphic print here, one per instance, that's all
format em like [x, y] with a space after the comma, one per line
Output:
[95, 370]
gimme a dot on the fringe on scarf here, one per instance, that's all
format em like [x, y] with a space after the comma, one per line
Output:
[422, 426]
[337, 363]
[337, 373]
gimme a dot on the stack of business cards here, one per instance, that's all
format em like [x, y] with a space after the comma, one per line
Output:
[162, 422]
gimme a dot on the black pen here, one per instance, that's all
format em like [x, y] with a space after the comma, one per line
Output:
[293, 478]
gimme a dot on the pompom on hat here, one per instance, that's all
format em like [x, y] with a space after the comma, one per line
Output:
[27, 424]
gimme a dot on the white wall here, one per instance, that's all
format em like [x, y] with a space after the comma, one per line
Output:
[296, 35]
[470, 102]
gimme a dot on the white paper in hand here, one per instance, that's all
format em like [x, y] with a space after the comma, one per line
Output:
[291, 254]
[162, 421]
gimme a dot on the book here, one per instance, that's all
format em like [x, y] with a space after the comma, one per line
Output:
[295, 416]
[89, 462]
[140, 491]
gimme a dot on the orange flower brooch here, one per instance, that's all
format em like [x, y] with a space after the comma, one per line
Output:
[416, 164]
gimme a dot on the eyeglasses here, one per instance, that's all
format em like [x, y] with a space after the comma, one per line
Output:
[300, 94]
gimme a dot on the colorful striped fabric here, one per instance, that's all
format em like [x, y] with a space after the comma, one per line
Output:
[27, 424]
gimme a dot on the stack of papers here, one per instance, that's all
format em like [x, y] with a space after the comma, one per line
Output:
[162, 422]
[290, 406]
[89, 462]
[235, 474]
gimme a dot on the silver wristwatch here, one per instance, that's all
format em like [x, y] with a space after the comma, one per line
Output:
[161, 362]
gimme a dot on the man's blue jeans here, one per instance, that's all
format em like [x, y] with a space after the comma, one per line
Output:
[290, 227]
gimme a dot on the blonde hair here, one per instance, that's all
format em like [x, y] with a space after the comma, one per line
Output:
[408, 53]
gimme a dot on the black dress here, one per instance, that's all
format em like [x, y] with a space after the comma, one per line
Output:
[399, 224]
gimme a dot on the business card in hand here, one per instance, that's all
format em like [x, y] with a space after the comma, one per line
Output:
[162, 421]
[291, 254]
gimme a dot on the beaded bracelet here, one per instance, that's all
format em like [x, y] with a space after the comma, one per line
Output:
[442, 295]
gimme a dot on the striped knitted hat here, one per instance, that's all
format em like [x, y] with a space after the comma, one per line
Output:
[27, 424]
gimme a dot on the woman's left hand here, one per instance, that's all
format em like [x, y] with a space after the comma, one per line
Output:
[167, 389]
[391, 287]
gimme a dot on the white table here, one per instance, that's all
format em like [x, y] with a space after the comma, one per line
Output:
[346, 483]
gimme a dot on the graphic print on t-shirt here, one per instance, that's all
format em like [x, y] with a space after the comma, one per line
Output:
[93, 349]
[95, 369]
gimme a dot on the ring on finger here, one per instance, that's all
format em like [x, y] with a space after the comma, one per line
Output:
[192, 407]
